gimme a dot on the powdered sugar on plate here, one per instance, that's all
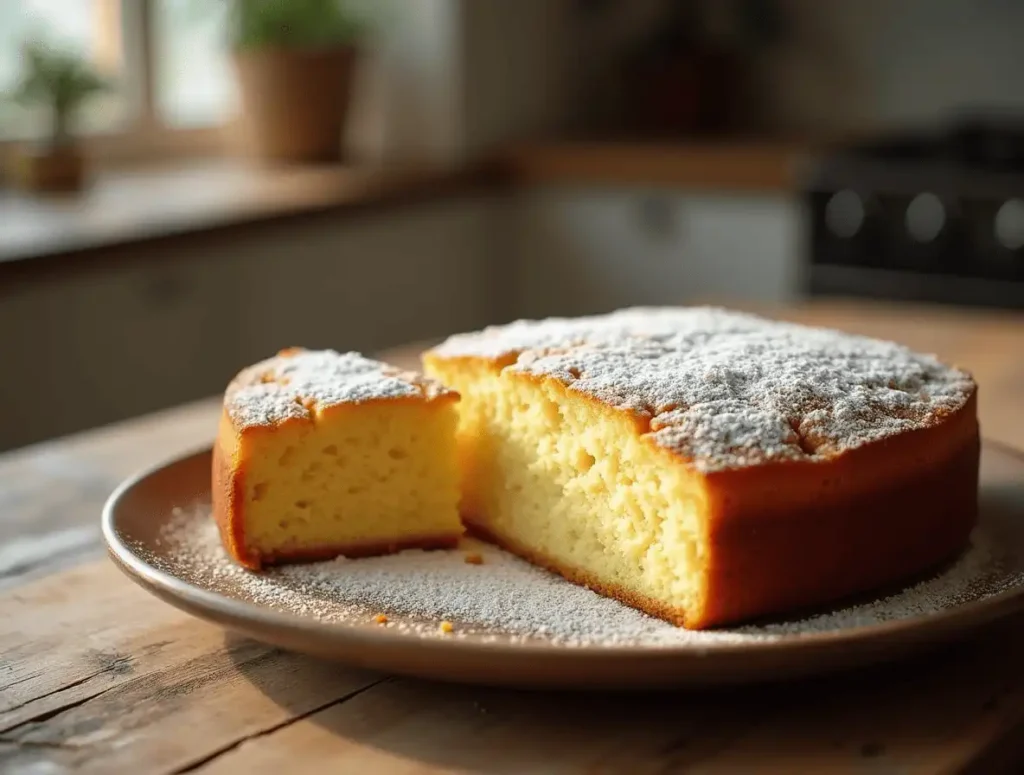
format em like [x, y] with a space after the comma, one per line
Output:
[504, 597]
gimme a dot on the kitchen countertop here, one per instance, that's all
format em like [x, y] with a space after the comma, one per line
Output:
[96, 676]
[129, 207]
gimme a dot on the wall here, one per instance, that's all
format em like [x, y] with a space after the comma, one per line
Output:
[877, 63]
[533, 68]
[514, 70]
[850, 66]
[407, 101]
[455, 79]
[452, 80]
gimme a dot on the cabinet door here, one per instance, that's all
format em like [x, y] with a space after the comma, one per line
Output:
[746, 248]
[96, 346]
[168, 325]
[367, 283]
[583, 251]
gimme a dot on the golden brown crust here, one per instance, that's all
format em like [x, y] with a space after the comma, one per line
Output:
[228, 483]
[302, 387]
[228, 493]
[794, 552]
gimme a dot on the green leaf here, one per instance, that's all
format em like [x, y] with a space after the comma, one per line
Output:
[59, 79]
[302, 24]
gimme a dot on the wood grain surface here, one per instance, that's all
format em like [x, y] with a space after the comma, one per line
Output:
[97, 676]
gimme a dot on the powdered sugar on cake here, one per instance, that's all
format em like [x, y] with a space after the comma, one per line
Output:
[504, 597]
[295, 383]
[726, 389]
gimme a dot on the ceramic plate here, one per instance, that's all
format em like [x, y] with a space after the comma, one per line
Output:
[157, 529]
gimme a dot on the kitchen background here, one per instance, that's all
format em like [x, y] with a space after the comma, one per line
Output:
[499, 160]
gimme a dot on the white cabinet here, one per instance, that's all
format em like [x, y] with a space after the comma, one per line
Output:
[592, 250]
[174, 321]
[369, 282]
[99, 344]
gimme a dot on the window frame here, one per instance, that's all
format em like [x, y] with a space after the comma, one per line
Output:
[143, 135]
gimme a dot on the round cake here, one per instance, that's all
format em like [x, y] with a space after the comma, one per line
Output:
[708, 466]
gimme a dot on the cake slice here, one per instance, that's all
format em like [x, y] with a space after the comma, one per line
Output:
[321, 454]
[710, 467]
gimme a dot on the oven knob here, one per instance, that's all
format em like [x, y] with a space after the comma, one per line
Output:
[1009, 225]
[844, 214]
[925, 218]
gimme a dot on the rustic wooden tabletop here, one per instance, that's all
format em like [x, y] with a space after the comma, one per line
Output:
[97, 676]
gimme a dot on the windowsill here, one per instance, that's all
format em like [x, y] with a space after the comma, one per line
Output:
[135, 206]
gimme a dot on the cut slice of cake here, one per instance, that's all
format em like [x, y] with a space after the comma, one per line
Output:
[710, 467]
[322, 454]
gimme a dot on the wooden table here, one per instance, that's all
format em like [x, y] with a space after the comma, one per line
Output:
[96, 676]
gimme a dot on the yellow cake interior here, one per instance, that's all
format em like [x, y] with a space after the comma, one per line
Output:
[358, 475]
[575, 484]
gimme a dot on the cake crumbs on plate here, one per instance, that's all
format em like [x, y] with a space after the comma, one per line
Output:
[474, 558]
[512, 601]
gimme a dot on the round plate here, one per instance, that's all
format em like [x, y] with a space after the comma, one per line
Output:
[138, 514]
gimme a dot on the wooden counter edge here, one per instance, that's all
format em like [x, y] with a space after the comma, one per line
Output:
[359, 192]
[728, 165]
[733, 166]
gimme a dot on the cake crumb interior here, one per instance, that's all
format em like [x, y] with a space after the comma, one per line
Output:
[314, 484]
[590, 495]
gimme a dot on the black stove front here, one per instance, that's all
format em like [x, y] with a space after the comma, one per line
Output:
[922, 217]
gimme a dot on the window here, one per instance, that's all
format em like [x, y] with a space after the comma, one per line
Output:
[80, 25]
[194, 82]
[167, 59]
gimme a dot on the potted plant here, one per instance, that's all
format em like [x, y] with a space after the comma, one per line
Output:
[61, 82]
[295, 61]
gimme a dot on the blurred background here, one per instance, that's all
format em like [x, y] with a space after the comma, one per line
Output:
[188, 186]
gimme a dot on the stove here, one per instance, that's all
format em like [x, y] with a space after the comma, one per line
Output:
[922, 216]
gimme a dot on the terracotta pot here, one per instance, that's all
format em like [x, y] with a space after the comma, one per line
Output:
[47, 169]
[295, 103]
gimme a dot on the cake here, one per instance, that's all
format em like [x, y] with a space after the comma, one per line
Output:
[710, 467]
[321, 454]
